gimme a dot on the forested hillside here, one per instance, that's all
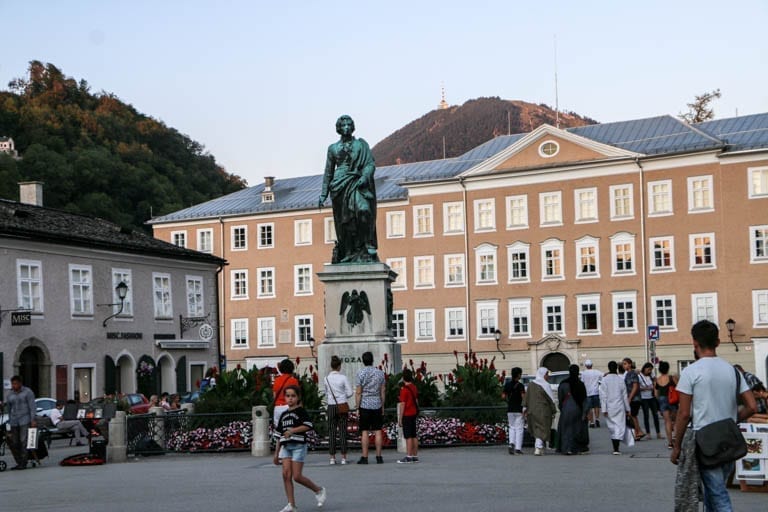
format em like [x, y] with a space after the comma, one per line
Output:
[97, 155]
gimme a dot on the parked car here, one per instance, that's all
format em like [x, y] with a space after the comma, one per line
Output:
[555, 378]
[44, 407]
[138, 403]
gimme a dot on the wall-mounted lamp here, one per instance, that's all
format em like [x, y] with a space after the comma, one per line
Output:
[122, 293]
[497, 337]
[311, 342]
[730, 324]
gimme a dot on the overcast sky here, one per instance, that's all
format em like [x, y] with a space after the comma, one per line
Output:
[261, 83]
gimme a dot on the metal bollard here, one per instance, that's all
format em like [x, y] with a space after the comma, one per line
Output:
[260, 424]
[117, 449]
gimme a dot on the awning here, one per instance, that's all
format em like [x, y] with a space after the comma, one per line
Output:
[184, 344]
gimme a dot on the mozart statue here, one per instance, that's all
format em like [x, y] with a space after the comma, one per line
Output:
[348, 178]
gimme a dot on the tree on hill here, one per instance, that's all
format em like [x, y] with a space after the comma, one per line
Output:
[700, 111]
[98, 155]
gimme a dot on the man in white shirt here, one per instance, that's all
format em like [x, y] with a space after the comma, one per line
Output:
[63, 425]
[708, 390]
[591, 379]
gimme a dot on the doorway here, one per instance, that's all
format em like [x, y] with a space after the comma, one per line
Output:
[83, 388]
[556, 362]
[125, 378]
[29, 368]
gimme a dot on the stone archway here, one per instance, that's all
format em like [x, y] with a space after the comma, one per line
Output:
[556, 362]
[125, 375]
[166, 374]
[32, 362]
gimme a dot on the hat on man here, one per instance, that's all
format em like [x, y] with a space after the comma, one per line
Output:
[588, 363]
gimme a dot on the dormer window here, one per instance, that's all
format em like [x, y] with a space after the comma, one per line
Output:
[548, 149]
[267, 197]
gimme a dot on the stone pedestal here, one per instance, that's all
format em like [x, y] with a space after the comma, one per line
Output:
[117, 449]
[260, 424]
[372, 334]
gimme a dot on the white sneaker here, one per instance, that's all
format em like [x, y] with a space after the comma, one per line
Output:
[344, 462]
[320, 496]
[289, 508]
[538, 451]
[332, 462]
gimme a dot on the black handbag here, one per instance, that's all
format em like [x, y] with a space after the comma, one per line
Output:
[721, 442]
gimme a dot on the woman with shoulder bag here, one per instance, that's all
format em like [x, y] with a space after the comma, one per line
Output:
[665, 384]
[338, 391]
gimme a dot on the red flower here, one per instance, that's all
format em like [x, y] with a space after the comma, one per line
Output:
[298, 360]
[311, 368]
[386, 357]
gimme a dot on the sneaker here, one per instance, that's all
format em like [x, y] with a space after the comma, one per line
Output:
[363, 460]
[289, 508]
[343, 462]
[538, 451]
[332, 462]
[320, 497]
[617, 453]
[405, 460]
[518, 452]
[597, 423]
[511, 449]
[379, 459]
[414, 459]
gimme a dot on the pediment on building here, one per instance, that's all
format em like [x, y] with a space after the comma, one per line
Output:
[554, 342]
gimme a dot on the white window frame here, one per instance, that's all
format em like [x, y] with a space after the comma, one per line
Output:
[235, 243]
[709, 194]
[404, 337]
[655, 312]
[552, 244]
[195, 297]
[620, 239]
[614, 191]
[30, 282]
[401, 283]
[179, 236]
[579, 202]
[163, 310]
[261, 292]
[126, 276]
[482, 251]
[448, 265]
[462, 312]
[86, 290]
[487, 314]
[557, 206]
[262, 324]
[514, 307]
[449, 218]
[234, 279]
[761, 180]
[484, 215]
[393, 224]
[298, 319]
[302, 232]
[652, 254]
[547, 302]
[260, 229]
[202, 234]
[308, 288]
[692, 252]
[239, 326]
[587, 242]
[329, 230]
[429, 316]
[652, 207]
[429, 218]
[696, 305]
[518, 248]
[623, 298]
[589, 299]
[759, 309]
[523, 208]
[426, 263]
[754, 256]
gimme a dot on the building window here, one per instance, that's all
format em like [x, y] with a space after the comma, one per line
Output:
[552, 260]
[485, 264]
[622, 202]
[487, 318]
[700, 194]
[453, 218]
[302, 282]
[758, 182]
[520, 318]
[554, 313]
[422, 220]
[179, 238]
[589, 314]
[585, 201]
[455, 323]
[302, 232]
[624, 312]
[704, 307]
[239, 238]
[623, 254]
[266, 236]
[518, 256]
[398, 266]
[266, 283]
[702, 251]
[195, 300]
[81, 289]
[163, 302]
[758, 244]
[399, 325]
[548, 149]
[517, 212]
[266, 332]
[660, 198]
[205, 240]
[121, 275]
[329, 230]
[485, 215]
[551, 208]
[425, 324]
[239, 284]
[760, 308]
[303, 330]
[29, 278]
[396, 224]
[454, 269]
[424, 273]
[664, 312]
[587, 250]
[239, 328]
[662, 254]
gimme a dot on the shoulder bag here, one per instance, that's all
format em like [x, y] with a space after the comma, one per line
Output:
[721, 442]
[341, 408]
[672, 395]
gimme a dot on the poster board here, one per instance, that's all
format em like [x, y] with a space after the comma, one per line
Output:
[753, 466]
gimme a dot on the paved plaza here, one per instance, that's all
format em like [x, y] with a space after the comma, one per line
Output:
[447, 479]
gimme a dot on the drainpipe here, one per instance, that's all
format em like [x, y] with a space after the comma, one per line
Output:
[220, 292]
[466, 264]
[643, 256]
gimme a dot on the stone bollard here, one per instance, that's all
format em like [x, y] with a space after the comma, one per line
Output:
[117, 449]
[260, 425]
[158, 433]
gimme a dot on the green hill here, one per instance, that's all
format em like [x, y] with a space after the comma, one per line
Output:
[97, 155]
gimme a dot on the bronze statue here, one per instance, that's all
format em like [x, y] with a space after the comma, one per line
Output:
[348, 178]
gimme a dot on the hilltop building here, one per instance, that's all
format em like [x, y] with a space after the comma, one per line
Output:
[6, 146]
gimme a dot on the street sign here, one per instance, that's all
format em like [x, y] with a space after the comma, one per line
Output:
[21, 318]
[653, 333]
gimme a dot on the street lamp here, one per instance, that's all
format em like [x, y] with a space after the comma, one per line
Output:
[122, 292]
[730, 324]
[311, 342]
[497, 337]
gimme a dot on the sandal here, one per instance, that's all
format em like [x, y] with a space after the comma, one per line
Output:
[641, 436]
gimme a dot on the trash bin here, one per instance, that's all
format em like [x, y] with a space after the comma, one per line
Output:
[99, 448]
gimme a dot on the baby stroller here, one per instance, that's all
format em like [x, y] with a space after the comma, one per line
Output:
[34, 456]
[3, 465]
